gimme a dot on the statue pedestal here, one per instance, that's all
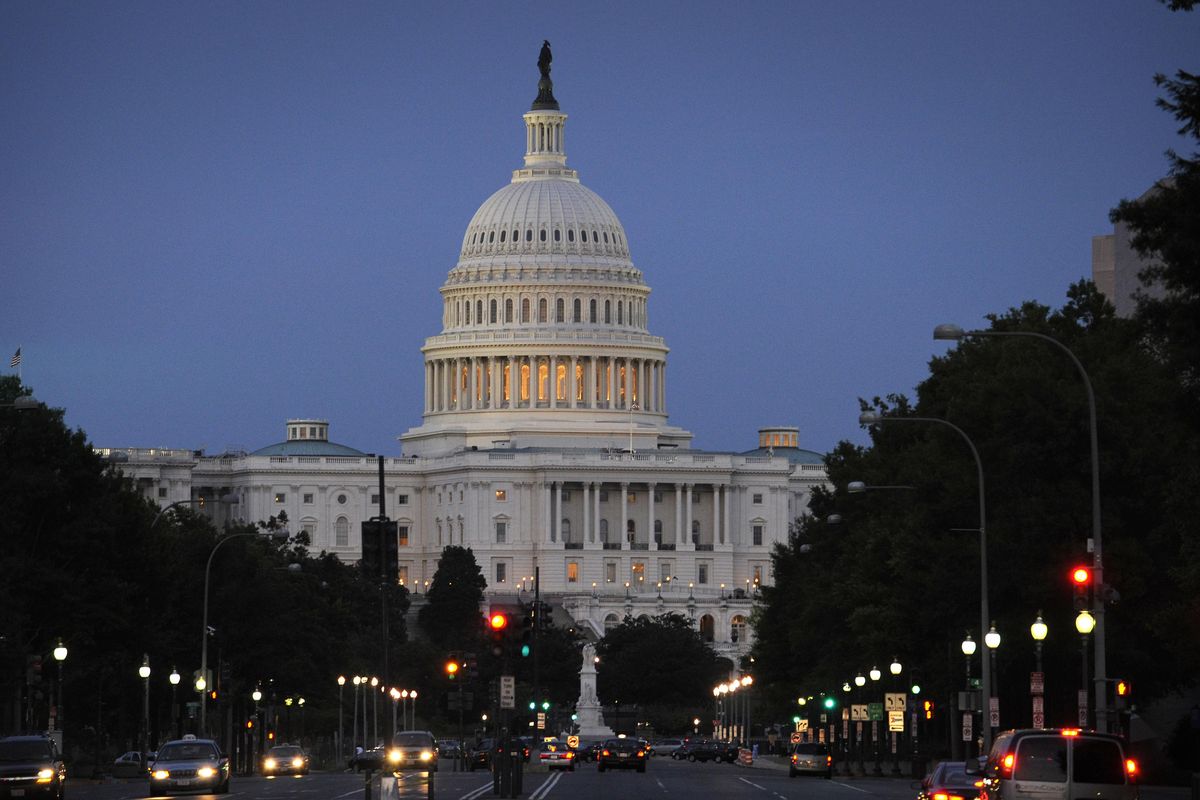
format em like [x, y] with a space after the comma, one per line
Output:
[587, 707]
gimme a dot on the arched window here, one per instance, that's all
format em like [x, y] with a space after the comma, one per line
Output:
[560, 382]
[529, 234]
[478, 312]
[557, 235]
[592, 311]
[706, 628]
[577, 315]
[502, 236]
[542, 306]
[525, 310]
[467, 313]
[560, 313]
[737, 629]
[542, 234]
[491, 237]
[508, 310]
[543, 376]
[611, 623]
[341, 532]
[493, 311]
[608, 312]
[583, 236]
[620, 313]
[570, 234]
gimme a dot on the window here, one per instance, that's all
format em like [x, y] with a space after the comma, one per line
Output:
[583, 235]
[280, 497]
[501, 495]
[604, 530]
[559, 310]
[501, 532]
[501, 572]
[737, 629]
[308, 499]
[638, 571]
[658, 531]
[542, 306]
[525, 310]
[1042, 758]
[611, 622]
[542, 235]
[566, 529]
[610, 572]
[402, 574]
[401, 499]
[402, 535]
[566, 495]
[757, 535]
[557, 235]
[591, 311]
[756, 576]
[375, 499]
[508, 311]
[570, 234]
[702, 573]
[529, 234]
[658, 496]
[310, 531]
[492, 312]
[572, 572]
[758, 499]
[162, 491]
[695, 497]
[608, 312]
[706, 627]
[603, 495]
[341, 532]
[620, 312]
[1098, 761]
[577, 310]
[341, 498]
[632, 498]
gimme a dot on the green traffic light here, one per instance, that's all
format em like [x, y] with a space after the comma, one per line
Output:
[795, 720]
[545, 705]
[830, 702]
[525, 651]
[532, 705]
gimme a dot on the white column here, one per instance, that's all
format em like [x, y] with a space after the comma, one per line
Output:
[596, 510]
[587, 528]
[556, 523]
[687, 515]
[624, 513]
[547, 511]
[552, 381]
[718, 534]
[726, 535]
[650, 512]
[678, 514]
[573, 381]
[533, 379]
[471, 387]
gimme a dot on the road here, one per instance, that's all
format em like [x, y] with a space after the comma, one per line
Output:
[664, 780]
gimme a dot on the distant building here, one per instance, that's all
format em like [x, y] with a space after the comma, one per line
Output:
[1115, 267]
[545, 442]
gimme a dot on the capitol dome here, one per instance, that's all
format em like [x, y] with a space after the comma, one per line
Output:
[545, 339]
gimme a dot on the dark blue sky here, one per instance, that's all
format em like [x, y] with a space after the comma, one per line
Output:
[219, 215]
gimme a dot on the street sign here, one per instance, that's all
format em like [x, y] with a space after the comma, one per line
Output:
[541, 721]
[508, 691]
[896, 721]
[1039, 720]
[1039, 704]
[875, 712]
[994, 712]
[1037, 683]
[802, 725]
[858, 712]
[795, 737]
[967, 727]
[572, 741]
[895, 701]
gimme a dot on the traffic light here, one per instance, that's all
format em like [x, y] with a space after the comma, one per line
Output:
[1124, 689]
[249, 724]
[497, 627]
[451, 669]
[1081, 581]
[928, 709]
[528, 623]
[380, 550]
[829, 703]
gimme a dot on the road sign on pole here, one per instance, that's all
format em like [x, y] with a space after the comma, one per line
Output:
[896, 721]
[895, 701]
[508, 691]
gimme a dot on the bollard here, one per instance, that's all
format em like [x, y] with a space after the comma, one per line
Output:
[518, 773]
[367, 784]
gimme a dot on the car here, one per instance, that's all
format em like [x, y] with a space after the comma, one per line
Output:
[413, 750]
[555, 754]
[481, 754]
[450, 748]
[131, 765]
[949, 781]
[622, 753]
[665, 747]
[31, 766]
[285, 759]
[189, 764]
[1056, 762]
[368, 760]
[525, 743]
[811, 758]
[703, 750]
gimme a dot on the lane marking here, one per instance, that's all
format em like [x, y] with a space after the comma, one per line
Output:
[848, 786]
[545, 788]
[471, 795]
[660, 785]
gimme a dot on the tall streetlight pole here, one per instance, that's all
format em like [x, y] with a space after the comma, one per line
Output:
[144, 674]
[968, 650]
[955, 333]
[992, 640]
[174, 678]
[341, 737]
[202, 681]
[1038, 631]
[1085, 623]
[872, 418]
[60, 655]
[896, 668]
[860, 681]
[354, 726]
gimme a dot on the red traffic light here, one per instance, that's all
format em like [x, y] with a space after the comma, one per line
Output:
[498, 622]
[451, 668]
[1122, 688]
[1081, 576]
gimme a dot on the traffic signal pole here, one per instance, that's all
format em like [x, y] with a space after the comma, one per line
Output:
[537, 623]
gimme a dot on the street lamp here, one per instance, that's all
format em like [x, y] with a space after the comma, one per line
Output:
[992, 640]
[1085, 623]
[174, 678]
[341, 742]
[279, 534]
[375, 707]
[956, 333]
[60, 655]
[968, 649]
[413, 696]
[895, 668]
[875, 676]
[144, 674]
[1038, 630]
[872, 418]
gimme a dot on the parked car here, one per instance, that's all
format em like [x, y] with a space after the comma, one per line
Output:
[131, 765]
[368, 760]
[449, 748]
[31, 766]
[703, 750]
[622, 753]
[1056, 763]
[413, 750]
[189, 764]
[949, 781]
[285, 759]
[555, 754]
[811, 758]
[481, 754]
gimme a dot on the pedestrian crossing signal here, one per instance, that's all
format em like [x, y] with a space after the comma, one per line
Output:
[928, 709]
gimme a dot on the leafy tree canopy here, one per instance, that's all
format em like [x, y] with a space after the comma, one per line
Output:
[451, 616]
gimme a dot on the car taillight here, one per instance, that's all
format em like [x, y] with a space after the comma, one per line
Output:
[570, 755]
[1070, 732]
[641, 753]
[828, 760]
[1131, 767]
[940, 796]
[795, 758]
[1007, 765]
[604, 752]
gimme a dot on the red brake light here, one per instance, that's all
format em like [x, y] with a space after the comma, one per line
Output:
[1131, 767]
[1070, 732]
[941, 796]
[604, 752]
[1008, 764]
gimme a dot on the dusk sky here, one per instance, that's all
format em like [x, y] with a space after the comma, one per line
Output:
[216, 216]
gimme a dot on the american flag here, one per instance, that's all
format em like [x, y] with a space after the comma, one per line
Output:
[16, 359]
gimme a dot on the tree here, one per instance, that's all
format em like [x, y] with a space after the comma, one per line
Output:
[451, 616]
[661, 664]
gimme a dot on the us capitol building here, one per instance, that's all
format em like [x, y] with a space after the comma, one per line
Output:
[544, 442]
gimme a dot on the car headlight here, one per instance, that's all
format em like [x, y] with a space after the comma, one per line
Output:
[269, 764]
[160, 774]
[44, 775]
[426, 755]
[297, 762]
[395, 756]
[205, 772]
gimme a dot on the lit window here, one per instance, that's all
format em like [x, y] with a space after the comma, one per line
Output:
[572, 572]
[501, 495]
[280, 497]
[402, 535]
[501, 572]
[402, 575]
[632, 498]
